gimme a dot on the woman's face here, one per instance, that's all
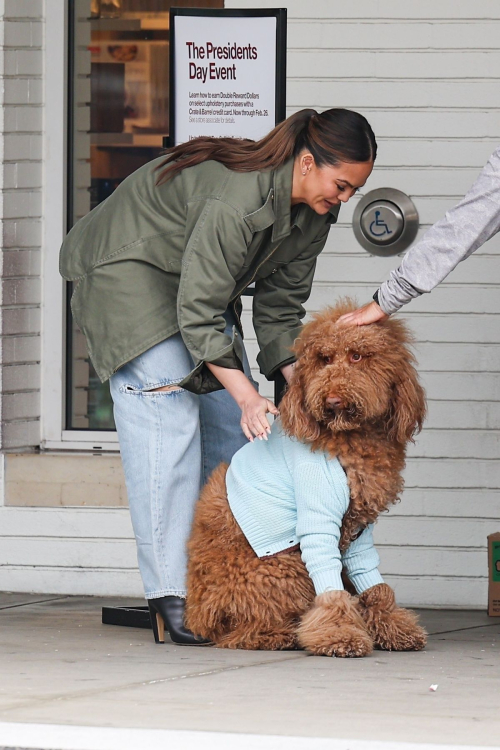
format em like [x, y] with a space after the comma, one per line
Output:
[324, 187]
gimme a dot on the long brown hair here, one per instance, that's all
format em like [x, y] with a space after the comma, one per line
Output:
[332, 136]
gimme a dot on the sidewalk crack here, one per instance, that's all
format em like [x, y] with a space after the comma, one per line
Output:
[38, 601]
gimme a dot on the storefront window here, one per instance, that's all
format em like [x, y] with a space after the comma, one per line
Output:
[118, 116]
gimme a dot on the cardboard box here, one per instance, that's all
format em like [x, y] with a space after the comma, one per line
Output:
[494, 575]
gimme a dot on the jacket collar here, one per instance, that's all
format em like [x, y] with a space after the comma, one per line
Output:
[277, 210]
[282, 186]
[303, 216]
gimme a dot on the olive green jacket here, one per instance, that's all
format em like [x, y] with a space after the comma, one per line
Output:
[154, 260]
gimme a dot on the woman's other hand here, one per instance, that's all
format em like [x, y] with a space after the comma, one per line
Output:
[287, 371]
[363, 316]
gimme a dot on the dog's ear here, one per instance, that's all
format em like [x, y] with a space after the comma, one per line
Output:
[295, 418]
[408, 408]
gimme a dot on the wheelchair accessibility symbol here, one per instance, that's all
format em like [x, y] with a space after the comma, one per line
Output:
[385, 222]
[378, 227]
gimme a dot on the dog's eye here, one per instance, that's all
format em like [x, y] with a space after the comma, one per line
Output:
[355, 357]
[327, 359]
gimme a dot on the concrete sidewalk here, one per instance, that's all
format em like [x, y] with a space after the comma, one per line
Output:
[61, 666]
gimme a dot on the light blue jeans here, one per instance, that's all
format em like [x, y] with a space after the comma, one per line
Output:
[170, 441]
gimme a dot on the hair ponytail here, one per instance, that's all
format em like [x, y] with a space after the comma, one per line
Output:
[333, 136]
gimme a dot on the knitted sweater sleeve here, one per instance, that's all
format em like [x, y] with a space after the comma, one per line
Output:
[320, 503]
[361, 562]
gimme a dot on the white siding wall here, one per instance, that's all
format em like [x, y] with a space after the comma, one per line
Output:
[21, 53]
[427, 77]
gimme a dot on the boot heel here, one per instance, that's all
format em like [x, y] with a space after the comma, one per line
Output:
[167, 613]
[157, 624]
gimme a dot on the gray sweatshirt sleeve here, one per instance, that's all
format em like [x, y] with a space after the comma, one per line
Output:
[462, 230]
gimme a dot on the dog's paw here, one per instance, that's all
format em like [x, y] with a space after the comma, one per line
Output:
[391, 627]
[344, 641]
[400, 631]
[333, 627]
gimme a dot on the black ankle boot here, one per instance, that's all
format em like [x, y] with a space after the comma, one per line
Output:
[167, 613]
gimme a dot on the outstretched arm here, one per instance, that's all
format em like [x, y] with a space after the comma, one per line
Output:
[463, 229]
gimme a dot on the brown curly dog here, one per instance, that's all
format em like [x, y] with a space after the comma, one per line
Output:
[354, 395]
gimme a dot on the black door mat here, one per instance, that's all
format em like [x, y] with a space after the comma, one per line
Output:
[127, 617]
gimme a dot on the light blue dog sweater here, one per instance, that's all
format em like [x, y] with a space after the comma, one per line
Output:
[282, 493]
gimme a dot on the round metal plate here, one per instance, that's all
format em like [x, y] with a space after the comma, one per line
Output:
[385, 222]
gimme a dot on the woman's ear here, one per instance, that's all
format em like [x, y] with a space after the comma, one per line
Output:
[408, 408]
[296, 421]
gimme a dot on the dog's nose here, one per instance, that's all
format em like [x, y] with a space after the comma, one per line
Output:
[335, 402]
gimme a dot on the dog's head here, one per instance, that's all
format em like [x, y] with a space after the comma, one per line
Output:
[351, 377]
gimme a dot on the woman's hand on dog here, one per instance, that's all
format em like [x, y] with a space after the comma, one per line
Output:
[253, 416]
[254, 407]
[363, 316]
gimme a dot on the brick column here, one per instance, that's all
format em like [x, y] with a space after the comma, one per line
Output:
[21, 94]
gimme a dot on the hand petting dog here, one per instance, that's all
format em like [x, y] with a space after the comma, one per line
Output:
[363, 316]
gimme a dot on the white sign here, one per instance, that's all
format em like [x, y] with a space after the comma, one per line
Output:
[225, 81]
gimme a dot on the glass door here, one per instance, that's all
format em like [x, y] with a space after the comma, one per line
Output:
[118, 116]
